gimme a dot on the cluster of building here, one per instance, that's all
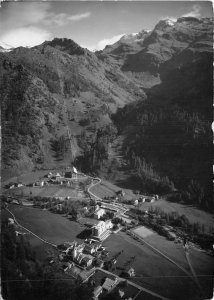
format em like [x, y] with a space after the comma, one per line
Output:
[106, 282]
[13, 185]
[83, 254]
[65, 177]
[52, 178]
[116, 209]
[58, 178]
[149, 199]
[109, 283]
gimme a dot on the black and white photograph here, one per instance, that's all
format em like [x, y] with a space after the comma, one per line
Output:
[106, 150]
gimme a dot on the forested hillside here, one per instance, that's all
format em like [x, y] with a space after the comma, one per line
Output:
[172, 129]
[53, 95]
[141, 107]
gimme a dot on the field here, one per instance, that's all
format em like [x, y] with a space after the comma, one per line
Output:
[27, 177]
[48, 191]
[191, 212]
[143, 231]
[107, 188]
[51, 227]
[154, 271]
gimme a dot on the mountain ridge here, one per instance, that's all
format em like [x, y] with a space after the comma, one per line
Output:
[164, 72]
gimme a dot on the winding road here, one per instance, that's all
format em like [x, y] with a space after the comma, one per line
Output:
[92, 185]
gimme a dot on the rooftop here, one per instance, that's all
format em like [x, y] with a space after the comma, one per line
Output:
[109, 283]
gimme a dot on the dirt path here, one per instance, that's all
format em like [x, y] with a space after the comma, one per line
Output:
[193, 271]
[41, 239]
[166, 257]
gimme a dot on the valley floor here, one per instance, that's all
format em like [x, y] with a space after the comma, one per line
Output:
[107, 188]
[153, 271]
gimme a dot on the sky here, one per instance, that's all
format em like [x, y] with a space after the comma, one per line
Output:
[92, 25]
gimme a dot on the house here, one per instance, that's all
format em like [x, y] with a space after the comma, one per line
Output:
[109, 284]
[131, 272]
[59, 207]
[85, 209]
[99, 213]
[136, 202]
[99, 228]
[18, 233]
[71, 173]
[86, 261]
[10, 221]
[79, 258]
[108, 224]
[61, 256]
[120, 193]
[67, 245]
[10, 185]
[97, 291]
[15, 202]
[150, 200]
[99, 263]
[97, 245]
[67, 266]
[89, 249]
[77, 250]
[19, 184]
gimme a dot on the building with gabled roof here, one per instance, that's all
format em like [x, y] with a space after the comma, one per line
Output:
[87, 261]
[99, 213]
[109, 283]
[131, 272]
[97, 291]
[89, 249]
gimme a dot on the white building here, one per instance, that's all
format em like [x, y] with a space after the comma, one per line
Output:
[10, 221]
[109, 284]
[99, 228]
[136, 202]
[108, 224]
[99, 213]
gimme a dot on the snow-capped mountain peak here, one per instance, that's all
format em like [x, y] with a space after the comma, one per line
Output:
[168, 22]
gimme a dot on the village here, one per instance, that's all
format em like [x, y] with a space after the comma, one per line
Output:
[89, 256]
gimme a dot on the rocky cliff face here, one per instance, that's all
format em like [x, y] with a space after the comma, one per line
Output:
[143, 56]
